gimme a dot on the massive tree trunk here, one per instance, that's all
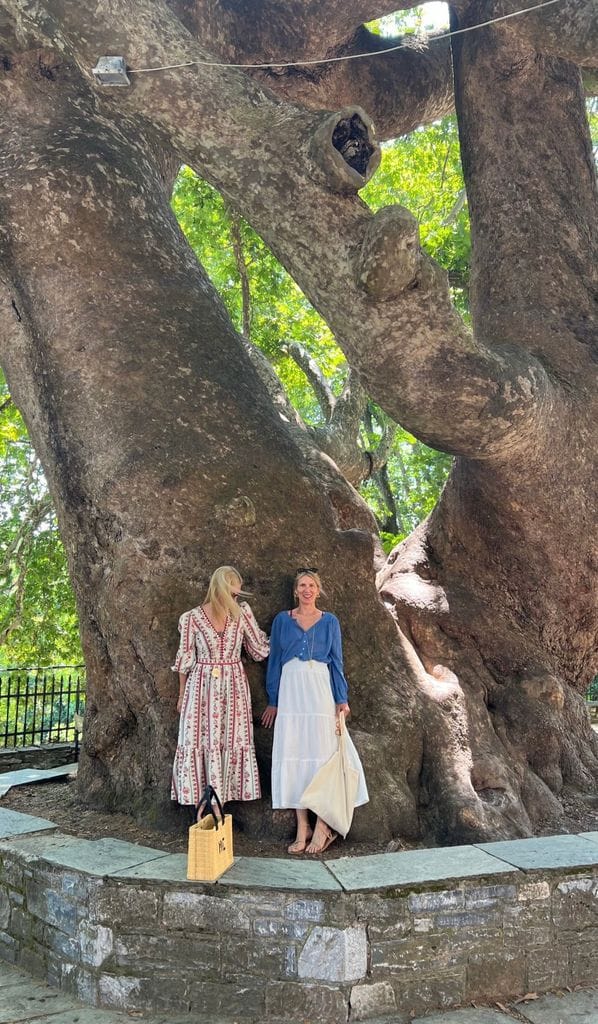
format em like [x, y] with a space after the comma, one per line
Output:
[166, 456]
[496, 593]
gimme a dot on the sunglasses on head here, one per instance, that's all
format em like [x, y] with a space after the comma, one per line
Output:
[306, 568]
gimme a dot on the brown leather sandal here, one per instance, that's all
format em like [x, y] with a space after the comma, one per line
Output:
[300, 845]
[329, 837]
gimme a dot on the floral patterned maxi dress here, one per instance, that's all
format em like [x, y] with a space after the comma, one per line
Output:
[215, 742]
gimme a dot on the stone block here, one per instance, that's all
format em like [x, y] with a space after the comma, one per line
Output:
[476, 897]
[490, 978]
[441, 989]
[4, 908]
[268, 904]
[547, 968]
[472, 921]
[582, 964]
[20, 924]
[167, 953]
[96, 942]
[260, 958]
[334, 954]
[528, 924]
[387, 918]
[281, 929]
[11, 873]
[141, 993]
[125, 907]
[240, 998]
[33, 960]
[194, 911]
[533, 891]
[414, 953]
[575, 904]
[376, 1000]
[306, 1002]
[52, 907]
[9, 948]
[426, 902]
[79, 981]
[305, 910]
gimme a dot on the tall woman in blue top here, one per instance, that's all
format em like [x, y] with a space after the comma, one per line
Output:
[306, 691]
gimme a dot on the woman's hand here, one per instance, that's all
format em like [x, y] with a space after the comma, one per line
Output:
[268, 716]
[341, 709]
[179, 703]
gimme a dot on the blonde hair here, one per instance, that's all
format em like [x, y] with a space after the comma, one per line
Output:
[220, 596]
[315, 576]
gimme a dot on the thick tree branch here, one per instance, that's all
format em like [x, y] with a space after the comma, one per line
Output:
[395, 320]
[568, 29]
[322, 390]
[400, 91]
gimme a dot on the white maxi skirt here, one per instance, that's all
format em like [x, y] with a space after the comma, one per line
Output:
[305, 733]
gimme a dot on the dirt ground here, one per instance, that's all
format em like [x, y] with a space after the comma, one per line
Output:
[59, 802]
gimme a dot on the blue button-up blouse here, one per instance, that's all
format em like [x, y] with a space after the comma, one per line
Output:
[321, 642]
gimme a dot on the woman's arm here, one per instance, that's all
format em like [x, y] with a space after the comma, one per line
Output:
[273, 672]
[340, 688]
[185, 659]
[255, 641]
[182, 685]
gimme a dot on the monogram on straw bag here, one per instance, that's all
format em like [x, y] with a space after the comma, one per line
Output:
[332, 792]
[210, 840]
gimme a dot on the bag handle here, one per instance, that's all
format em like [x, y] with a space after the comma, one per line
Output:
[341, 730]
[205, 806]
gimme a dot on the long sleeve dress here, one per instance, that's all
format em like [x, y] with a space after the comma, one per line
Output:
[215, 743]
[305, 680]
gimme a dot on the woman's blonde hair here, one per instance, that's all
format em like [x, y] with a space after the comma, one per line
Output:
[220, 592]
[315, 577]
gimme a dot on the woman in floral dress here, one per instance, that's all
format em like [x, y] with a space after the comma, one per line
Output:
[215, 744]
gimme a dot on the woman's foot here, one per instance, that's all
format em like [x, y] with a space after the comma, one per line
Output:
[322, 839]
[300, 844]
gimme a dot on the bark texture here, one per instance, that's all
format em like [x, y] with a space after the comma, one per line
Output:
[168, 451]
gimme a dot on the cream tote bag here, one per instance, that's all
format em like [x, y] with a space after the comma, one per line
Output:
[332, 792]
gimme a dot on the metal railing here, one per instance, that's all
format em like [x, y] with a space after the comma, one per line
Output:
[39, 706]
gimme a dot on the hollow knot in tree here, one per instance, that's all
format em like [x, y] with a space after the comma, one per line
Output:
[352, 139]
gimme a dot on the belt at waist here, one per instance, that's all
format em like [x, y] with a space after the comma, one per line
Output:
[236, 662]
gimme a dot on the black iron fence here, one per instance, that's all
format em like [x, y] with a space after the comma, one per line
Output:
[39, 706]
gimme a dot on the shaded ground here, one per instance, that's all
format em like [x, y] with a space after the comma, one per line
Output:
[59, 802]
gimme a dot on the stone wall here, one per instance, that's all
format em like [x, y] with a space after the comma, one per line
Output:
[275, 954]
[52, 755]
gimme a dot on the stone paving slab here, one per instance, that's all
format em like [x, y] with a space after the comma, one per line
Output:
[395, 870]
[274, 873]
[83, 1015]
[13, 823]
[592, 836]
[544, 852]
[96, 857]
[27, 999]
[169, 867]
[478, 1015]
[569, 1008]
